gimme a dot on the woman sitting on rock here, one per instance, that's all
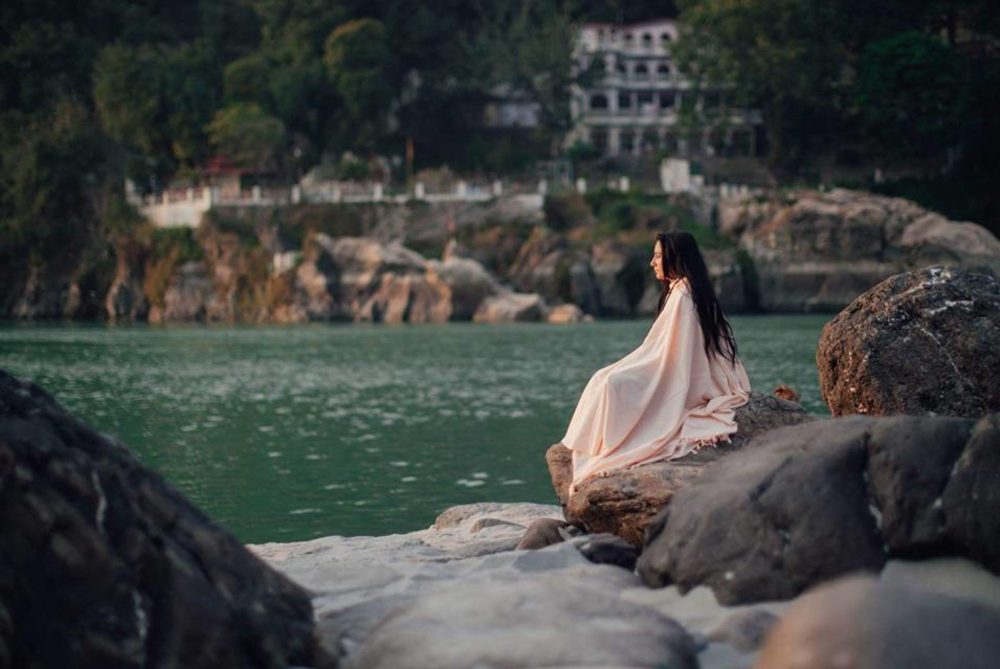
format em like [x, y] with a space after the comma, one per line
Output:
[675, 393]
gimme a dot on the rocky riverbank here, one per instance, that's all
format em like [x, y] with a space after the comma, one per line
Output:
[572, 259]
[868, 541]
[461, 594]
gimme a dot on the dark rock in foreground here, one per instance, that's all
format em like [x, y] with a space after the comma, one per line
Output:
[103, 564]
[626, 501]
[864, 623]
[806, 503]
[923, 342]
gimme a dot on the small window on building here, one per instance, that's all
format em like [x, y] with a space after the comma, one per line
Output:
[641, 71]
[599, 139]
[620, 69]
[671, 143]
[644, 97]
[664, 37]
[627, 141]
[650, 140]
[624, 101]
[628, 37]
[712, 101]
[647, 40]
[663, 71]
[598, 101]
[666, 100]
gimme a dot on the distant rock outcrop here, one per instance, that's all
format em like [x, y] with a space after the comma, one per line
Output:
[922, 342]
[374, 282]
[816, 251]
[103, 564]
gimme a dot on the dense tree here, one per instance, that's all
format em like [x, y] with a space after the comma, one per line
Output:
[359, 64]
[247, 135]
[912, 95]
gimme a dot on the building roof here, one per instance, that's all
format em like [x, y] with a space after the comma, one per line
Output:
[220, 165]
[629, 26]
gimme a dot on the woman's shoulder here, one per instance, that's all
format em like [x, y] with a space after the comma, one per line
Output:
[680, 287]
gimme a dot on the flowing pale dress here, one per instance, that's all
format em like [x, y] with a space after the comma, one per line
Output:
[662, 401]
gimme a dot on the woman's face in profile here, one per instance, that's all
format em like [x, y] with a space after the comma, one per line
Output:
[657, 262]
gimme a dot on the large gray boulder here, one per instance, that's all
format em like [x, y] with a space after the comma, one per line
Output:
[104, 564]
[368, 281]
[806, 503]
[922, 342]
[470, 284]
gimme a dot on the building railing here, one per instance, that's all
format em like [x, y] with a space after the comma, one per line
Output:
[185, 206]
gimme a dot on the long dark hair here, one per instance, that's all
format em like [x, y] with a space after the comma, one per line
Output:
[681, 258]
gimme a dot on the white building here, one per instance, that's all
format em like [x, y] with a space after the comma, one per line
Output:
[633, 107]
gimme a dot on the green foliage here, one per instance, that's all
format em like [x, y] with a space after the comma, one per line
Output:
[49, 176]
[526, 47]
[352, 169]
[336, 220]
[178, 242]
[358, 62]
[582, 152]
[911, 94]
[247, 135]
[128, 96]
[156, 100]
[246, 80]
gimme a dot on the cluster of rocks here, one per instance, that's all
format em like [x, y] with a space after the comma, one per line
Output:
[817, 251]
[796, 251]
[342, 278]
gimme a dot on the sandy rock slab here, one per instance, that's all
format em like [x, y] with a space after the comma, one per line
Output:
[921, 342]
[807, 503]
[625, 502]
[453, 596]
[458, 595]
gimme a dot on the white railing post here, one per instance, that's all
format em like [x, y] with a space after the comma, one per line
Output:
[377, 192]
[418, 190]
[581, 185]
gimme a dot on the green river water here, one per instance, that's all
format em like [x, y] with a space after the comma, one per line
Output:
[289, 433]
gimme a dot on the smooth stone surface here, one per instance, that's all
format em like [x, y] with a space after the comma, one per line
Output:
[864, 623]
[539, 620]
[922, 342]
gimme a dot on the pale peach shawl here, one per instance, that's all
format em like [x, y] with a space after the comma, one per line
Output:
[662, 401]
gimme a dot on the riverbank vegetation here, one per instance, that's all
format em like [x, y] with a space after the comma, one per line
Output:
[95, 91]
